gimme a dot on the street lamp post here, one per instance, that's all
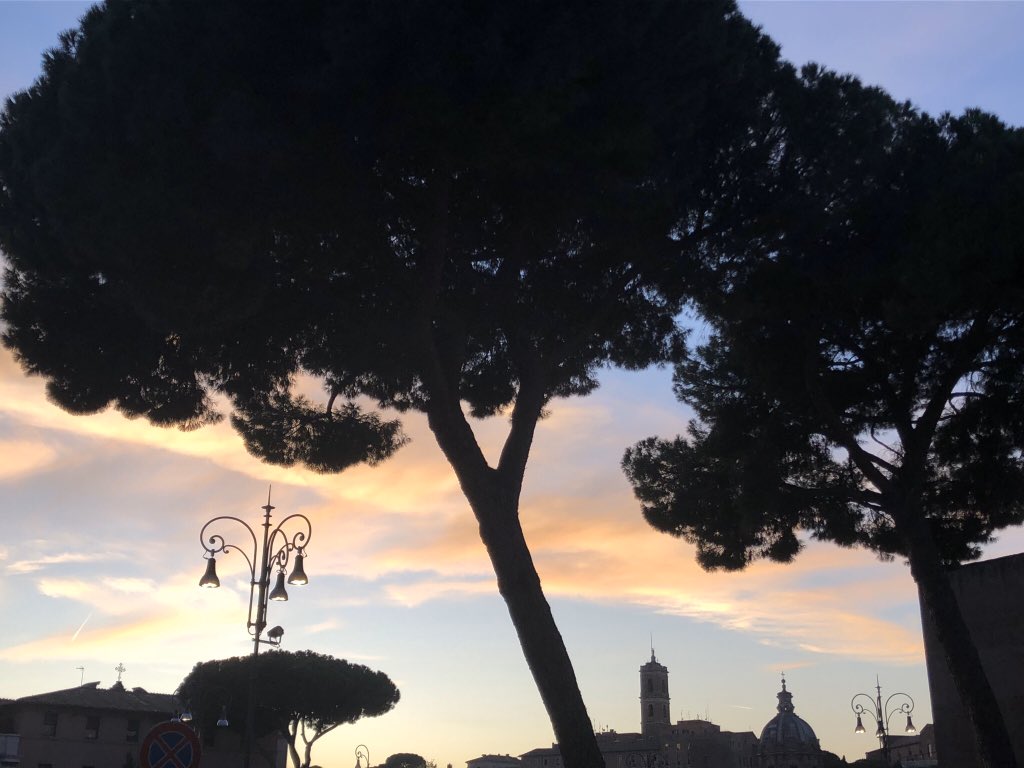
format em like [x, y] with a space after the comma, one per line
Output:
[279, 548]
[362, 753]
[904, 705]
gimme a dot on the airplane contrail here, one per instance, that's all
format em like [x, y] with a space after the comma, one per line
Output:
[75, 636]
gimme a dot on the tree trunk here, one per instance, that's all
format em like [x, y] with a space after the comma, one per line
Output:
[542, 643]
[494, 499]
[961, 654]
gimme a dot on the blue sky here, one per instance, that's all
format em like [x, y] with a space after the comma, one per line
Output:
[100, 553]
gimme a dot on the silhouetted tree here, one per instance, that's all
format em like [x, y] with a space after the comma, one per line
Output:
[454, 208]
[298, 694]
[862, 374]
[405, 760]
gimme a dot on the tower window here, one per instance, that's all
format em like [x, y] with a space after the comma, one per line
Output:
[650, 685]
[650, 710]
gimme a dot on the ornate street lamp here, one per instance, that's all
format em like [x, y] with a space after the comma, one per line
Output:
[362, 753]
[279, 548]
[882, 714]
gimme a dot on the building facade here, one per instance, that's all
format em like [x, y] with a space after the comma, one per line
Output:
[494, 761]
[989, 597]
[917, 751]
[660, 742]
[93, 727]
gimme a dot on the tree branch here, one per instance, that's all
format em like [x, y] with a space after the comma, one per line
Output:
[444, 408]
[526, 413]
[924, 429]
[887, 447]
[866, 462]
[866, 498]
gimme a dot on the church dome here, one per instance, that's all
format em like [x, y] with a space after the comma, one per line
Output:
[787, 734]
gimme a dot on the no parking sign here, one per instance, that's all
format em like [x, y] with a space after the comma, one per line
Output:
[170, 745]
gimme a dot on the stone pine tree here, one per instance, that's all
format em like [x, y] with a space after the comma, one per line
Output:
[862, 375]
[405, 760]
[460, 209]
[300, 696]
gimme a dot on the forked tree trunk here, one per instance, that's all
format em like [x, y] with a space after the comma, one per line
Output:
[494, 498]
[493, 495]
[961, 654]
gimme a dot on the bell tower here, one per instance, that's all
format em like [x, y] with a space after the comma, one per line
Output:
[654, 700]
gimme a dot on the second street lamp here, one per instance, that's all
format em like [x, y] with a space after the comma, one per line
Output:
[882, 714]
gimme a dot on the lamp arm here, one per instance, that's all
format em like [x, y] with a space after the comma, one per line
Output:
[860, 709]
[299, 540]
[218, 544]
[903, 709]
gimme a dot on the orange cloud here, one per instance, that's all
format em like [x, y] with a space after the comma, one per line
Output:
[22, 457]
[408, 518]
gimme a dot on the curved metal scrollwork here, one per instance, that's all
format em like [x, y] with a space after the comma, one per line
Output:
[279, 546]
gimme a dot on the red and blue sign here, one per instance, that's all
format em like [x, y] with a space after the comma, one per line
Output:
[170, 745]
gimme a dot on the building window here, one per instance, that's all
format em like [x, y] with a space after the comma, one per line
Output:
[650, 710]
[49, 725]
[132, 734]
[92, 727]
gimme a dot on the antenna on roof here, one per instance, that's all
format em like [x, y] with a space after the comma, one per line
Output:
[81, 677]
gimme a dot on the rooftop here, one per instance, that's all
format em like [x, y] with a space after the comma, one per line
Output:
[91, 696]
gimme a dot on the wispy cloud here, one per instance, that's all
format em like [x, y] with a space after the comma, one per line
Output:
[131, 586]
[31, 566]
[438, 589]
[323, 626]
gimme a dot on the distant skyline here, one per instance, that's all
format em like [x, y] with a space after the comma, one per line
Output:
[100, 557]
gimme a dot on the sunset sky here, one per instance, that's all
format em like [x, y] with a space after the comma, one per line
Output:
[99, 543]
